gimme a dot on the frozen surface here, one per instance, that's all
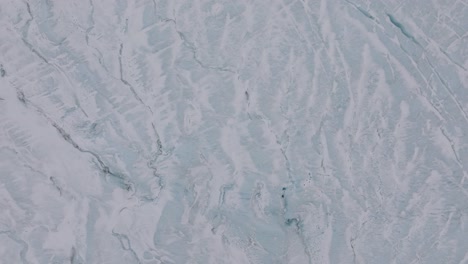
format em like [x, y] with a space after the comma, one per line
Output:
[234, 131]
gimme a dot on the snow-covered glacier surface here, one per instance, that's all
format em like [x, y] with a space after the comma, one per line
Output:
[198, 131]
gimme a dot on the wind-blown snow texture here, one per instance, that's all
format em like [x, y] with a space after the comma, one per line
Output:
[234, 131]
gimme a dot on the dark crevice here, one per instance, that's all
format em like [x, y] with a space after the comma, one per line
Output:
[31, 48]
[453, 61]
[99, 55]
[25, 35]
[351, 242]
[362, 11]
[24, 246]
[73, 255]
[20, 96]
[159, 150]
[151, 164]
[452, 145]
[402, 29]
[436, 105]
[126, 245]
[54, 182]
[123, 181]
[91, 18]
[447, 88]
[126, 83]
[194, 51]
[2, 71]
[101, 165]
[297, 223]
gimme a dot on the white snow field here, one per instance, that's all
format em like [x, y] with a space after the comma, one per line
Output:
[233, 131]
